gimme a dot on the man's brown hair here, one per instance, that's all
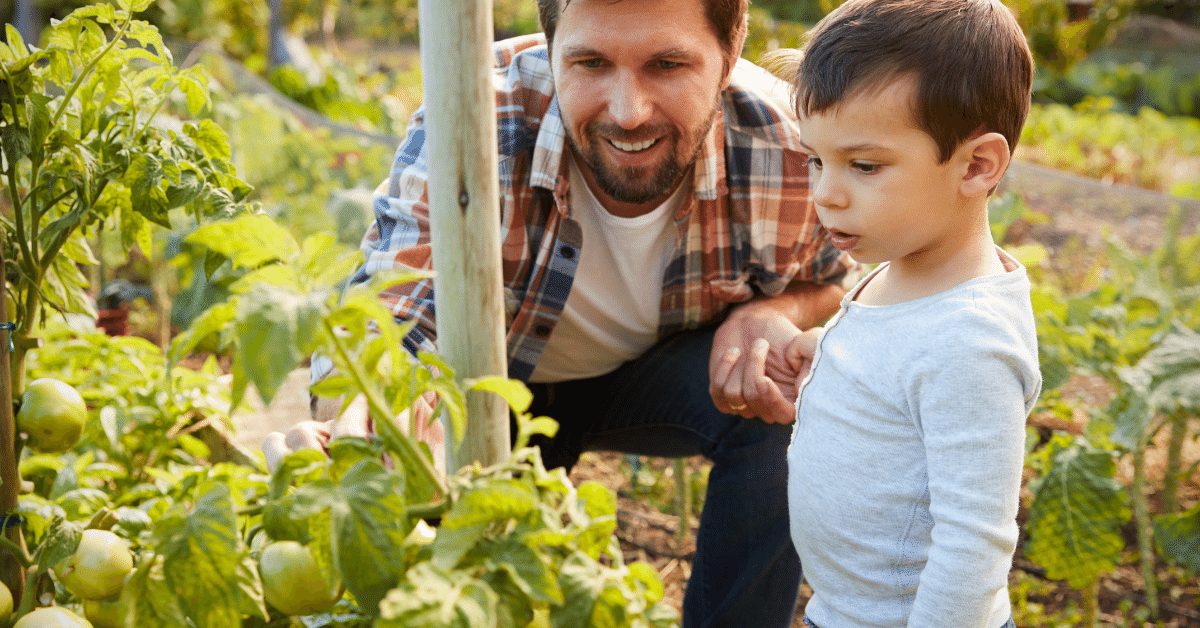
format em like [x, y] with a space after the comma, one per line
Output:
[726, 17]
[971, 64]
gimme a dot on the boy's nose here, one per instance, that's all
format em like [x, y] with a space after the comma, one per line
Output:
[826, 191]
[629, 103]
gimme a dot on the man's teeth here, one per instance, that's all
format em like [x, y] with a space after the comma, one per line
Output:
[633, 147]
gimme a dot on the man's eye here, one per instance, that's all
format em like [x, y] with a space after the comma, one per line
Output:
[865, 167]
[592, 63]
[664, 64]
[814, 163]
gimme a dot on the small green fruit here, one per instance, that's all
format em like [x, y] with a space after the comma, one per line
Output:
[52, 617]
[6, 603]
[98, 568]
[52, 414]
[108, 613]
[292, 581]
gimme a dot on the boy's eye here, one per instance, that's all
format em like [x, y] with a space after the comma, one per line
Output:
[865, 167]
[591, 63]
[814, 163]
[665, 64]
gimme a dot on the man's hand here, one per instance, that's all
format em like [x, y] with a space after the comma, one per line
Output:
[752, 379]
[749, 372]
[355, 421]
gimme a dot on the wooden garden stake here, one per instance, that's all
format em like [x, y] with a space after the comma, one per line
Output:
[11, 570]
[460, 118]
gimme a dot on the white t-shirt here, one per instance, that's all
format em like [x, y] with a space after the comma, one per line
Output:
[612, 312]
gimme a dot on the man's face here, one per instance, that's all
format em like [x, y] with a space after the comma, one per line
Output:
[638, 85]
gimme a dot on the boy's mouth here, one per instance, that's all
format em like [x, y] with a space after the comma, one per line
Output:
[841, 240]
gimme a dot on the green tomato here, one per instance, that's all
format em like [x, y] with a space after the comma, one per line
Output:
[52, 617]
[292, 581]
[108, 613]
[6, 603]
[98, 568]
[52, 414]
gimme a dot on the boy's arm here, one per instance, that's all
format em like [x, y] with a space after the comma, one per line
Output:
[972, 409]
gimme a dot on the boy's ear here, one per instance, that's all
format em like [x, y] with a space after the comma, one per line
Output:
[987, 160]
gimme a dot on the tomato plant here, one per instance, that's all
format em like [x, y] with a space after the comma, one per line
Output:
[79, 149]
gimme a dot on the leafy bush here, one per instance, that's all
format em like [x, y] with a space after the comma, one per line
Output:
[1091, 139]
[1170, 90]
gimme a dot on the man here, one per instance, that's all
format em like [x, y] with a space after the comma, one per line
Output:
[659, 250]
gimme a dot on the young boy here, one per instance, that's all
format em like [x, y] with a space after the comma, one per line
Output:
[905, 462]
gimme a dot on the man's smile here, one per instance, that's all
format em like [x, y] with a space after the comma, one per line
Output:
[633, 147]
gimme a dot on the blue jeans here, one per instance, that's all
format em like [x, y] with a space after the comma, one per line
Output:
[745, 571]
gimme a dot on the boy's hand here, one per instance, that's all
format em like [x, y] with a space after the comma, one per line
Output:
[799, 353]
[355, 421]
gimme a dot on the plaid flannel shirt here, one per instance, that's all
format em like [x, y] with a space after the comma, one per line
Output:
[747, 225]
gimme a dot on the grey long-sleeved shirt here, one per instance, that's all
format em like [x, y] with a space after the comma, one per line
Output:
[905, 463]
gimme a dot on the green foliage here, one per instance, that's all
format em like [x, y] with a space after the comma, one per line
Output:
[237, 27]
[1091, 139]
[1075, 520]
[1138, 331]
[1058, 39]
[81, 148]
[767, 33]
[136, 422]
[296, 177]
[1170, 90]
[1178, 538]
[361, 100]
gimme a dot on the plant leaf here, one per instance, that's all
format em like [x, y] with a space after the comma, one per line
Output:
[369, 526]
[1177, 537]
[249, 241]
[1075, 520]
[202, 553]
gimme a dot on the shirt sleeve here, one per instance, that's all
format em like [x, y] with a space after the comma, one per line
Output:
[971, 406]
[400, 238]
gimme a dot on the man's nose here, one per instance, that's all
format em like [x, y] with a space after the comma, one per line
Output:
[629, 101]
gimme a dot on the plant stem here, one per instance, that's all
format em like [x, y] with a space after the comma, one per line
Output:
[1145, 528]
[1090, 603]
[17, 551]
[118, 36]
[683, 491]
[384, 422]
[1170, 493]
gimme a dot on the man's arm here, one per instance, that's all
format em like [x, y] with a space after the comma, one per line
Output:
[758, 379]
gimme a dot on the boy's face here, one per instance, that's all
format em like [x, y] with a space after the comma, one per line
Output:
[877, 182]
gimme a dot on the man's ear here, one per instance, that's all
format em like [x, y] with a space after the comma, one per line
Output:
[987, 159]
[735, 52]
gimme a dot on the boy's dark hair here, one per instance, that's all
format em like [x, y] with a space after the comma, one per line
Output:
[969, 59]
[728, 19]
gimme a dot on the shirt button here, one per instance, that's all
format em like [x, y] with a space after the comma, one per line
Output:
[567, 252]
[542, 330]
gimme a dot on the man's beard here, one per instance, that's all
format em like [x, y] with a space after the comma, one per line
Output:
[629, 184]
